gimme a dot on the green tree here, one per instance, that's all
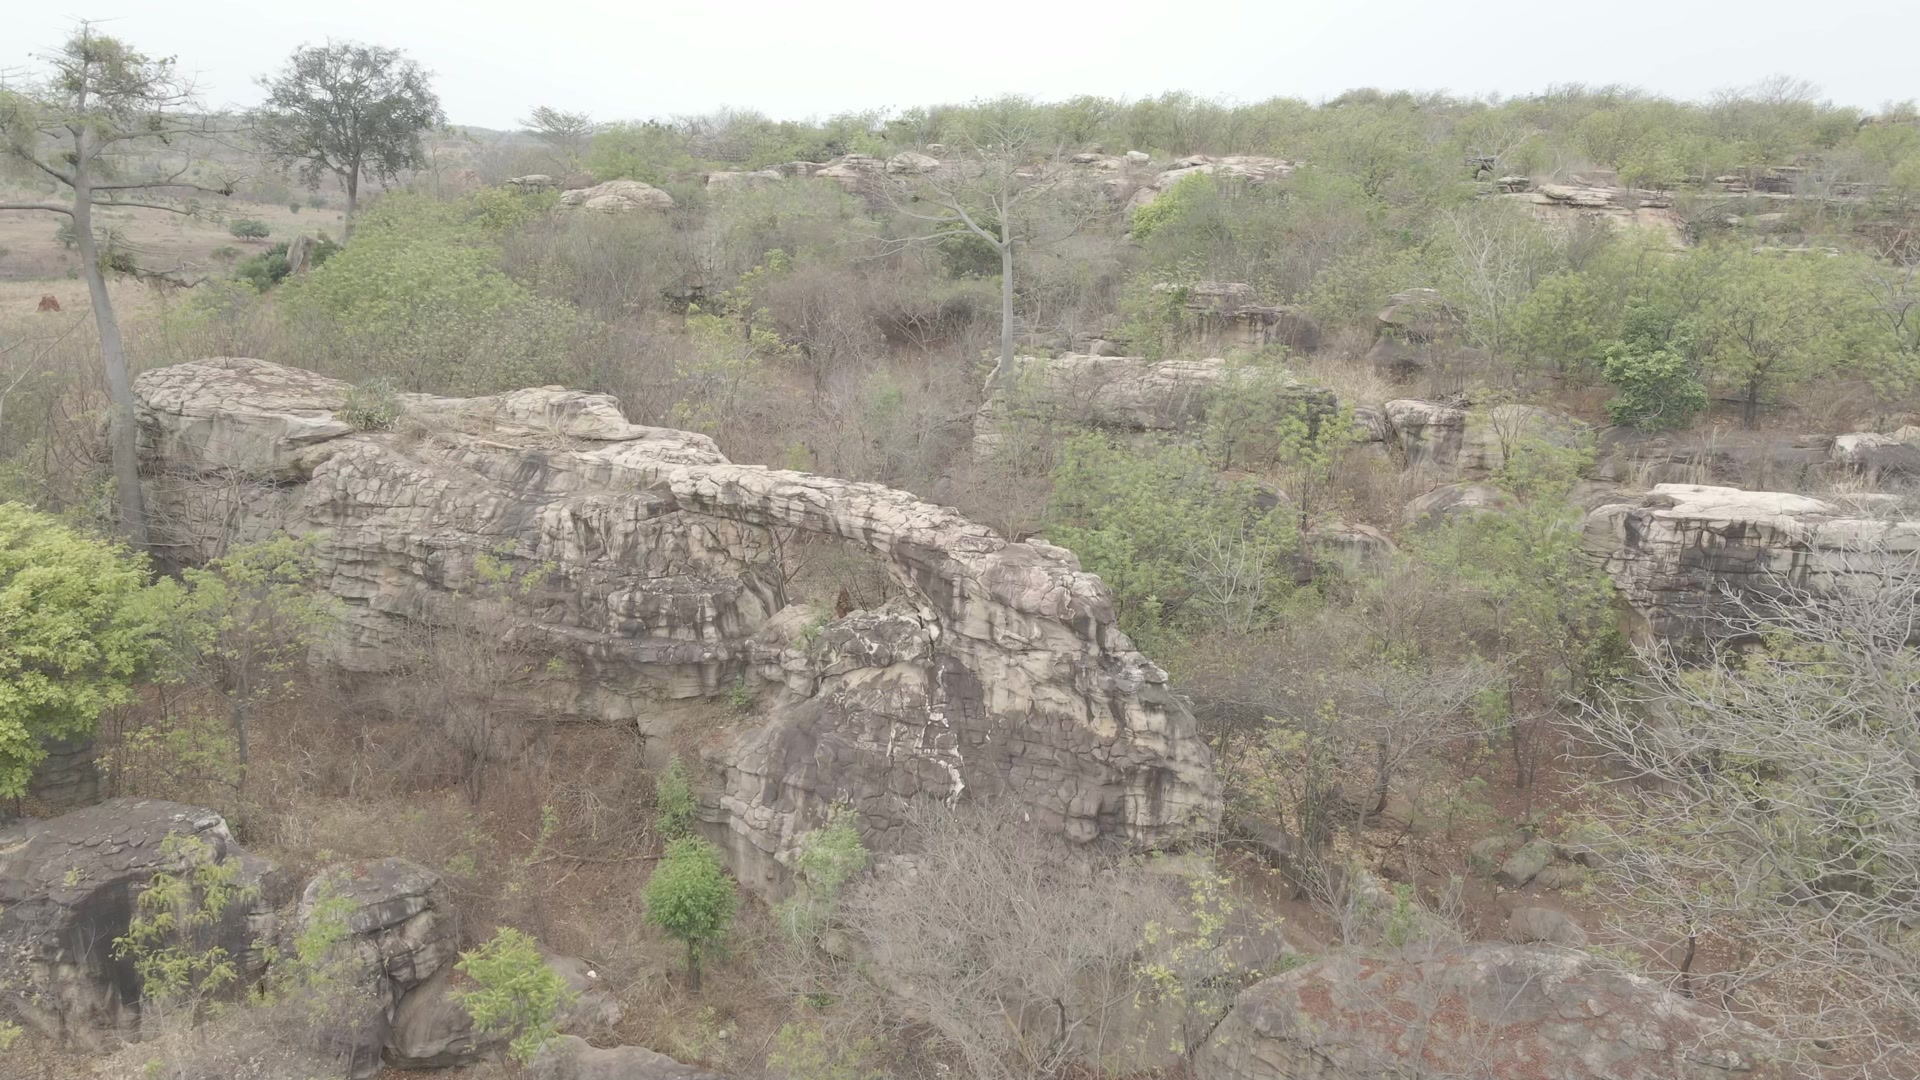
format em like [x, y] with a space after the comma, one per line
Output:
[353, 111]
[249, 229]
[1177, 545]
[517, 993]
[1657, 386]
[691, 898]
[77, 622]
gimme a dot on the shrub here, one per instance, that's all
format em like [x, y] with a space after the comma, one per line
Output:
[372, 406]
[518, 993]
[829, 857]
[226, 253]
[77, 622]
[249, 229]
[691, 898]
[1657, 387]
[673, 802]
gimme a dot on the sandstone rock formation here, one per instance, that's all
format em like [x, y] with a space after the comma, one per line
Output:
[731, 181]
[1677, 552]
[400, 935]
[1512, 1011]
[1254, 170]
[1126, 393]
[1454, 441]
[618, 197]
[1001, 673]
[1228, 316]
[69, 888]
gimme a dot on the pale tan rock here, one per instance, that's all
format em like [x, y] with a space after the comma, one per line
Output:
[1001, 671]
[618, 197]
[1676, 552]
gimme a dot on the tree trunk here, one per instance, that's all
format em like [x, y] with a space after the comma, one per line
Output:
[237, 718]
[693, 967]
[1004, 369]
[353, 202]
[121, 432]
[1750, 408]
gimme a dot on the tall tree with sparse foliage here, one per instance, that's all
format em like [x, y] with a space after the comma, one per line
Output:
[353, 111]
[110, 127]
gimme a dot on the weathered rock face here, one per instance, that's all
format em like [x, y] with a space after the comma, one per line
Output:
[69, 886]
[1676, 552]
[1120, 392]
[1453, 441]
[1512, 1011]
[661, 573]
[618, 197]
[400, 935]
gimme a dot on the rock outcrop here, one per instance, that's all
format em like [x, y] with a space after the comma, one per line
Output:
[400, 936]
[70, 886]
[1454, 441]
[1005, 673]
[1125, 393]
[618, 197]
[1681, 552]
[1513, 1011]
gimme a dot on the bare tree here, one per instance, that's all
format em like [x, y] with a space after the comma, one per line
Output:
[95, 125]
[1008, 188]
[565, 133]
[1774, 818]
[1017, 955]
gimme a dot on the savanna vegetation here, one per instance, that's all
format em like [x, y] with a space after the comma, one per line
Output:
[1402, 718]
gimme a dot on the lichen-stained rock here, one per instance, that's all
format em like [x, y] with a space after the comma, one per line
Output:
[69, 886]
[1001, 671]
[617, 197]
[1519, 1012]
[1455, 441]
[1129, 393]
[1677, 552]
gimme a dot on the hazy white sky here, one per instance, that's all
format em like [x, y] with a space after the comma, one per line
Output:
[620, 59]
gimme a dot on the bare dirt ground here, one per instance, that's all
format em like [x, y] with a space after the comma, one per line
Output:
[30, 251]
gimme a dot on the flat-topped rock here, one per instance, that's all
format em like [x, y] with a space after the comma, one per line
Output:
[1678, 551]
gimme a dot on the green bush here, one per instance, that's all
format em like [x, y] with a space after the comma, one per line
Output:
[77, 623]
[517, 993]
[691, 898]
[373, 406]
[1657, 387]
[829, 857]
[249, 229]
[673, 802]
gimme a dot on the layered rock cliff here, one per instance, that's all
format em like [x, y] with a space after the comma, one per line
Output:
[1000, 671]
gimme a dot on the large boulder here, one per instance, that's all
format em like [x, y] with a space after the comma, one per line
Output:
[1681, 553]
[399, 936]
[618, 197]
[1517, 1012]
[69, 887]
[1877, 456]
[658, 568]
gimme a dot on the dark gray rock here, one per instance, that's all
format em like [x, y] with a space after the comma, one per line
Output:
[69, 887]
